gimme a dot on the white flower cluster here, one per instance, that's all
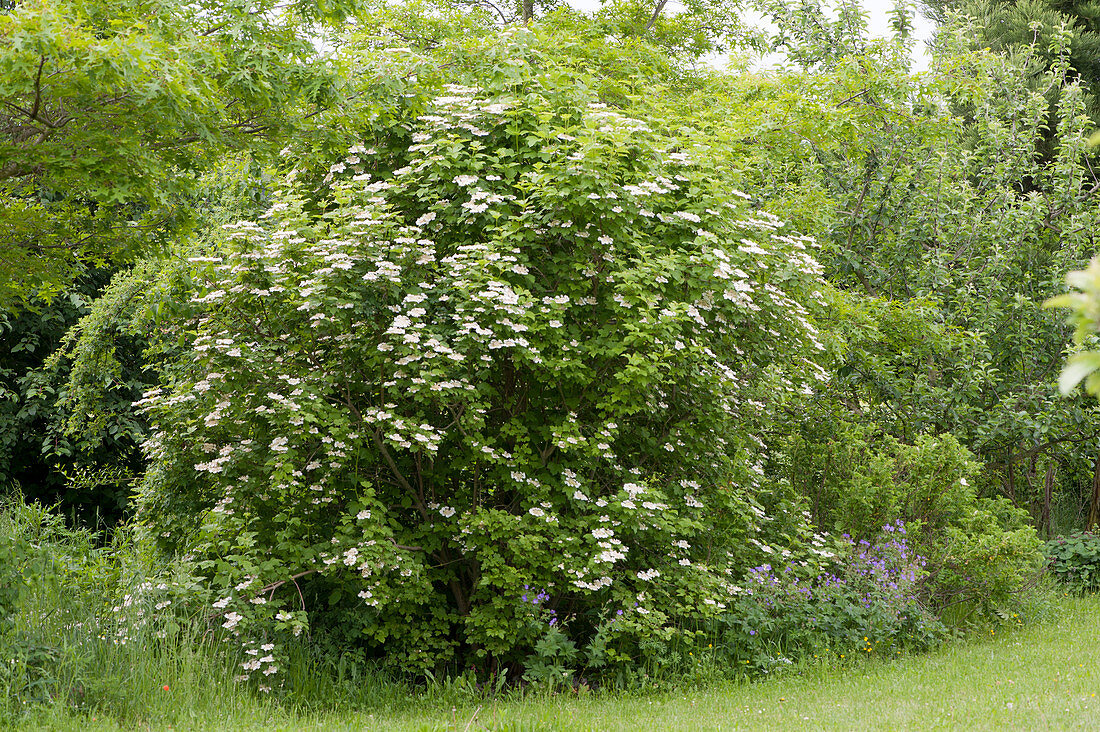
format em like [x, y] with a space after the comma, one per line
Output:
[594, 585]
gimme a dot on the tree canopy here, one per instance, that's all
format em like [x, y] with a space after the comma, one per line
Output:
[108, 110]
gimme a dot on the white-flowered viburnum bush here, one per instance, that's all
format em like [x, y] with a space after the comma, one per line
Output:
[499, 377]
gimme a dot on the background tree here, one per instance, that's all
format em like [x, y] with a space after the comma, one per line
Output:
[71, 369]
[1050, 31]
[944, 212]
[108, 110]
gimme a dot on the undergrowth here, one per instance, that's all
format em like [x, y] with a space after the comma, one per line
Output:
[97, 630]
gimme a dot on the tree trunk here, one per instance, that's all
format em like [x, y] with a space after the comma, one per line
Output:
[1046, 522]
[1094, 500]
[657, 10]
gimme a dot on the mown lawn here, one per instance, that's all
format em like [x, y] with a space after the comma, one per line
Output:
[1039, 677]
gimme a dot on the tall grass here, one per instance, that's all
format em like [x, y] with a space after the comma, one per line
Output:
[88, 648]
[68, 653]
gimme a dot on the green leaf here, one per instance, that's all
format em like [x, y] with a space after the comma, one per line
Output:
[1077, 368]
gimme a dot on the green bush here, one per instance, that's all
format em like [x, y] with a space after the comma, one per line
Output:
[867, 599]
[34, 451]
[981, 552]
[14, 556]
[38, 556]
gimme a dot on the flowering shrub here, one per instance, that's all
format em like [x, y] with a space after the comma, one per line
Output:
[517, 341]
[868, 598]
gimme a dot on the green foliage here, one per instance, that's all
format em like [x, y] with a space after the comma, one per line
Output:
[1075, 560]
[461, 368]
[33, 451]
[552, 661]
[897, 365]
[979, 551]
[1084, 306]
[71, 369]
[858, 480]
[71, 665]
[37, 553]
[510, 375]
[817, 36]
[698, 27]
[15, 575]
[84, 618]
[945, 221]
[1053, 33]
[98, 370]
[111, 108]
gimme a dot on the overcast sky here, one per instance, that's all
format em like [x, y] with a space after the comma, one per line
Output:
[879, 21]
[880, 27]
[878, 17]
